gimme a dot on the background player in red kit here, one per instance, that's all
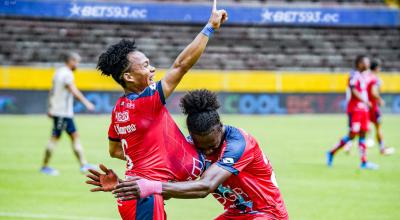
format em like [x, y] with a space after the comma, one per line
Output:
[358, 113]
[373, 87]
[142, 132]
[238, 174]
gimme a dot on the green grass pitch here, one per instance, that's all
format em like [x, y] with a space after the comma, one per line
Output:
[296, 146]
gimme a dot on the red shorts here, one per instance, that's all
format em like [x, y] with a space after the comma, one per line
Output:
[358, 121]
[375, 116]
[149, 208]
[256, 216]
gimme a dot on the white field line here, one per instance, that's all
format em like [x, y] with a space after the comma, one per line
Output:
[49, 216]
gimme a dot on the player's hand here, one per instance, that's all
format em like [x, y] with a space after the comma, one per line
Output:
[128, 190]
[218, 17]
[105, 182]
[90, 107]
[49, 115]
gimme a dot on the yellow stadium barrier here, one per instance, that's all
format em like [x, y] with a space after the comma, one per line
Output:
[35, 78]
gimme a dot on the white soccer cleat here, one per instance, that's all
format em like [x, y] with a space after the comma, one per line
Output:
[388, 151]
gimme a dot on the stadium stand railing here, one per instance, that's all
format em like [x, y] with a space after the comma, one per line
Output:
[30, 42]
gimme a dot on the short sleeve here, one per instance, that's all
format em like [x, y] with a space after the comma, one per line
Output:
[68, 79]
[352, 81]
[236, 156]
[112, 133]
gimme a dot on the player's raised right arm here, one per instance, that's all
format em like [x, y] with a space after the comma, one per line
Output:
[191, 54]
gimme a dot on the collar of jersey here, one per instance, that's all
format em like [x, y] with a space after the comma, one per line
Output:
[132, 96]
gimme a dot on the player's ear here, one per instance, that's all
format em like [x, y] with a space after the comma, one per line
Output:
[127, 77]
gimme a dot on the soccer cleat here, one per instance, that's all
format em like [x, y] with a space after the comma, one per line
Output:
[386, 151]
[369, 166]
[329, 159]
[49, 171]
[86, 167]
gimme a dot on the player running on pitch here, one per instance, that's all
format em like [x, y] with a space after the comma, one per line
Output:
[142, 131]
[238, 173]
[61, 111]
[373, 87]
[358, 113]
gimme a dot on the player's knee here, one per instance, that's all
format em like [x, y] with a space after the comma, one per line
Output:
[352, 135]
[51, 145]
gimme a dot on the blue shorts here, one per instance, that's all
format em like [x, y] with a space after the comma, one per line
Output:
[150, 208]
[60, 124]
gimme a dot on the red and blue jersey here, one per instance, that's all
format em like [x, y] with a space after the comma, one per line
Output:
[357, 81]
[153, 145]
[252, 189]
[373, 81]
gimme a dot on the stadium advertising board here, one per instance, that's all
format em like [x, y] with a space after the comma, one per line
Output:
[35, 102]
[198, 13]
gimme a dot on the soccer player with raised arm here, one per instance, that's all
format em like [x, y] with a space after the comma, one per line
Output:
[373, 87]
[238, 174]
[61, 98]
[358, 113]
[142, 131]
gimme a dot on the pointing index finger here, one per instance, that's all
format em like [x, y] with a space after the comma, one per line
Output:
[214, 5]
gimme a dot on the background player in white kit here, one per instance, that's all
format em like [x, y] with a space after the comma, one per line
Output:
[61, 112]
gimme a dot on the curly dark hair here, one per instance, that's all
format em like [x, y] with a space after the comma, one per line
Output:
[201, 107]
[115, 60]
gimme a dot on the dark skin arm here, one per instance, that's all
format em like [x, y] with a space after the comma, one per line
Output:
[115, 150]
[208, 182]
[191, 54]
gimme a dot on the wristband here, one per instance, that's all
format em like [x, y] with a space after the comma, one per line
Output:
[208, 30]
[149, 187]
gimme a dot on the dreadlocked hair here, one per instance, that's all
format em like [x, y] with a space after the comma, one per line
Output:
[201, 107]
[115, 60]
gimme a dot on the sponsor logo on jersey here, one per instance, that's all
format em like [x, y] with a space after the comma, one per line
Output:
[122, 116]
[125, 129]
[198, 167]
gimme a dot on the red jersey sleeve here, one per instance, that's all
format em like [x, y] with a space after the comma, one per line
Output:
[237, 155]
[352, 81]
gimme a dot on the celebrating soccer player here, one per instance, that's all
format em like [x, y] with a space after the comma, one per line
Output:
[373, 87]
[358, 113]
[61, 111]
[238, 173]
[142, 131]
